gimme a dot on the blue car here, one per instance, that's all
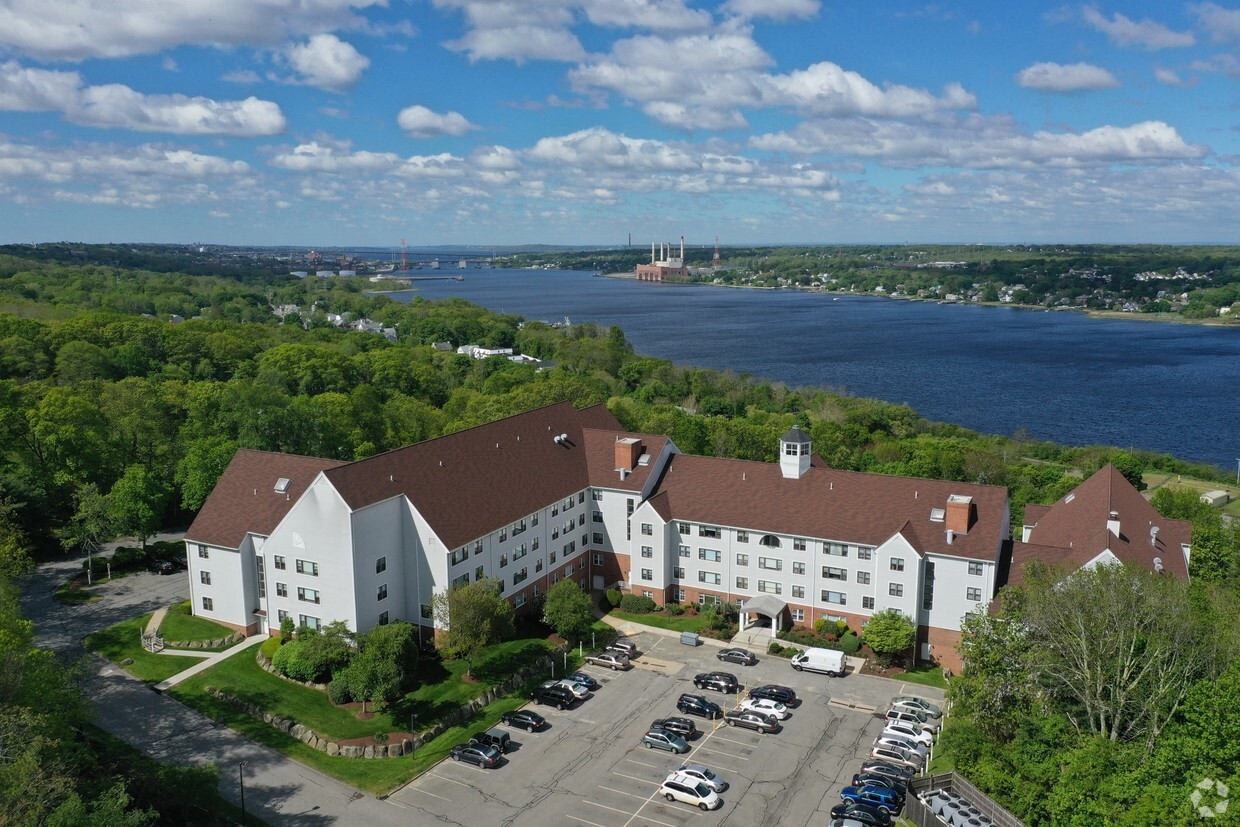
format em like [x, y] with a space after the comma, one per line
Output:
[883, 799]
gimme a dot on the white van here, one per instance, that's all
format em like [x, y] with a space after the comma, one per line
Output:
[828, 661]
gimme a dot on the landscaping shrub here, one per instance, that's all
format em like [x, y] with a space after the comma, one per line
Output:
[674, 609]
[98, 566]
[270, 646]
[613, 597]
[637, 603]
[781, 651]
[850, 644]
[338, 689]
[128, 558]
[291, 662]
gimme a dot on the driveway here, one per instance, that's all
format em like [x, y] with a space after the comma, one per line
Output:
[280, 791]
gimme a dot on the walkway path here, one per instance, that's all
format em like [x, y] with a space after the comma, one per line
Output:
[209, 659]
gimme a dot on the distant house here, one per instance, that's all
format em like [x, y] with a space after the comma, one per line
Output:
[443, 347]
[1216, 498]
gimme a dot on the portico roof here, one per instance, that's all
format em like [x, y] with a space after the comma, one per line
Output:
[766, 604]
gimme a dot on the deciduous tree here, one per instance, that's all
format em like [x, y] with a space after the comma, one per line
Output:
[568, 610]
[889, 633]
[473, 616]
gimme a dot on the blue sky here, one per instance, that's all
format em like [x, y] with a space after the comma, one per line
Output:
[362, 122]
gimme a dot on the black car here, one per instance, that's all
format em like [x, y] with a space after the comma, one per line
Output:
[555, 695]
[485, 757]
[861, 812]
[162, 567]
[585, 680]
[523, 719]
[742, 656]
[681, 726]
[750, 720]
[774, 692]
[860, 779]
[719, 681]
[697, 705]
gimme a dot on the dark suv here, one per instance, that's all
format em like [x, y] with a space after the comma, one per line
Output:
[493, 737]
[775, 692]
[719, 681]
[697, 705]
[555, 695]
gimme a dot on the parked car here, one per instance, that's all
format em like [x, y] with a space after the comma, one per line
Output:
[579, 690]
[874, 779]
[827, 661]
[662, 739]
[485, 757]
[750, 720]
[919, 704]
[612, 660]
[737, 655]
[554, 695]
[767, 707]
[877, 766]
[626, 647]
[776, 693]
[686, 788]
[493, 737]
[862, 814]
[681, 726]
[704, 775]
[719, 681]
[908, 716]
[898, 756]
[915, 734]
[525, 719]
[883, 799]
[697, 705]
[162, 567]
[585, 680]
[886, 739]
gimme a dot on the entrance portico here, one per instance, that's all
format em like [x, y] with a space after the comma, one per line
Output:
[767, 605]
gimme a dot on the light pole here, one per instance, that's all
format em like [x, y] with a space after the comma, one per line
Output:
[241, 780]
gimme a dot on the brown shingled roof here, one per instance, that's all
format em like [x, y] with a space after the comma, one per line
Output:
[600, 458]
[1079, 521]
[475, 481]
[245, 500]
[825, 503]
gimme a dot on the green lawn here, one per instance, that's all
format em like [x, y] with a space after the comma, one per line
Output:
[680, 623]
[124, 641]
[924, 675]
[179, 624]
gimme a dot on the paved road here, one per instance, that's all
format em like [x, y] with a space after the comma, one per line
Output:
[281, 791]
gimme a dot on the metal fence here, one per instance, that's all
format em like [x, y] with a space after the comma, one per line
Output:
[919, 813]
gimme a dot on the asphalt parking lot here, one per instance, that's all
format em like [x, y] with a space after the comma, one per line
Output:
[588, 767]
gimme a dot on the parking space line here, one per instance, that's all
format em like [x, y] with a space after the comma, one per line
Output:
[635, 778]
[621, 792]
[605, 807]
[425, 792]
[721, 752]
[453, 780]
[642, 764]
[585, 821]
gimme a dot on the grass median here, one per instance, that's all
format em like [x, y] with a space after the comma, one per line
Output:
[122, 644]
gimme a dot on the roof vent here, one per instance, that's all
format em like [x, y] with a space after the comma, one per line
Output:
[1069, 498]
[938, 515]
[1154, 536]
[282, 485]
[951, 536]
[563, 437]
[644, 459]
[1158, 566]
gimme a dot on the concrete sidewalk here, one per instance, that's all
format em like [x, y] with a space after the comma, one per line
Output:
[209, 660]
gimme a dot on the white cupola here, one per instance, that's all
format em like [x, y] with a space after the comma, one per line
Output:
[794, 450]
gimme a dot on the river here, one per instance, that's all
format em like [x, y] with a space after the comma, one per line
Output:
[1059, 376]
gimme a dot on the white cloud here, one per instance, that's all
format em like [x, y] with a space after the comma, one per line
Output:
[1222, 24]
[316, 157]
[421, 122]
[1147, 34]
[516, 30]
[654, 15]
[81, 29]
[827, 89]
[774, 9]
[1058, 77]
[598, 147]
[326, 62]
[119, 107]
[1169, 77]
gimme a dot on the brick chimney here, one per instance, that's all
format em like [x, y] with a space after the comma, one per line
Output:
[628, 450]
[961, 513]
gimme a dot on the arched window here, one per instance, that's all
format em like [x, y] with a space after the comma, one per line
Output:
[770, 541]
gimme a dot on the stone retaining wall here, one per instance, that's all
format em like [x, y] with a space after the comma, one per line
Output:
[235, 637]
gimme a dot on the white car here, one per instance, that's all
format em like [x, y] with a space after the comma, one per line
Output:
[690, 790]
[579, 690]
[767, 707]
[900, 742]
[920, 704]
[913, 733]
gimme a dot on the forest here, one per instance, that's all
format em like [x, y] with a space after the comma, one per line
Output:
[124, 392]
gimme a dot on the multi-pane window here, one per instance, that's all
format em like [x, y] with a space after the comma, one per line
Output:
[838, 598]
[896, 590]
[308, 567]
[798, 544]
[534, 518]
[837, 549]
[678, 573]
[381, 565]
[647, 529]
[463, 580]
[628, 503]
[382, 591]
[647, 552]
[425, 610]
[538, 566]
[683, 528]
[927, 589]
[383, 618]
[458, 556]
[742, 559]
[897, 564]
[205, 577]
[770, 587]
[503, 560]
[262, 576]
[798, 615]
[596, 538]
[973, 595]
[596, 495]
[208, 604]
[867, 603]
[833, 573]
[581, 497]
[680, 595]
[480, 572]
[581, 519]
[975, 568]
[520, 575]
[598, 559]
[597, 516]
[519, 552]
[684, 551]
[863, 577]
[742, 536]
[281, 590]
[798, 567]
[534, 544]
[308, 595]
[518, 527]
[864, 552]
[503, 534]
[280, 615]
[648, 593]
[308, 621]
[647, 574]
[551, 555]
[709, 577]
[709, 599]
[202, 552]
[771, 563]
[742, 583]
[709, 531]
[278, 562]
[798, 591]
[477, 546]
[713, 555]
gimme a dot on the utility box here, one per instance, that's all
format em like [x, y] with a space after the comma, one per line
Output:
[690, 638]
